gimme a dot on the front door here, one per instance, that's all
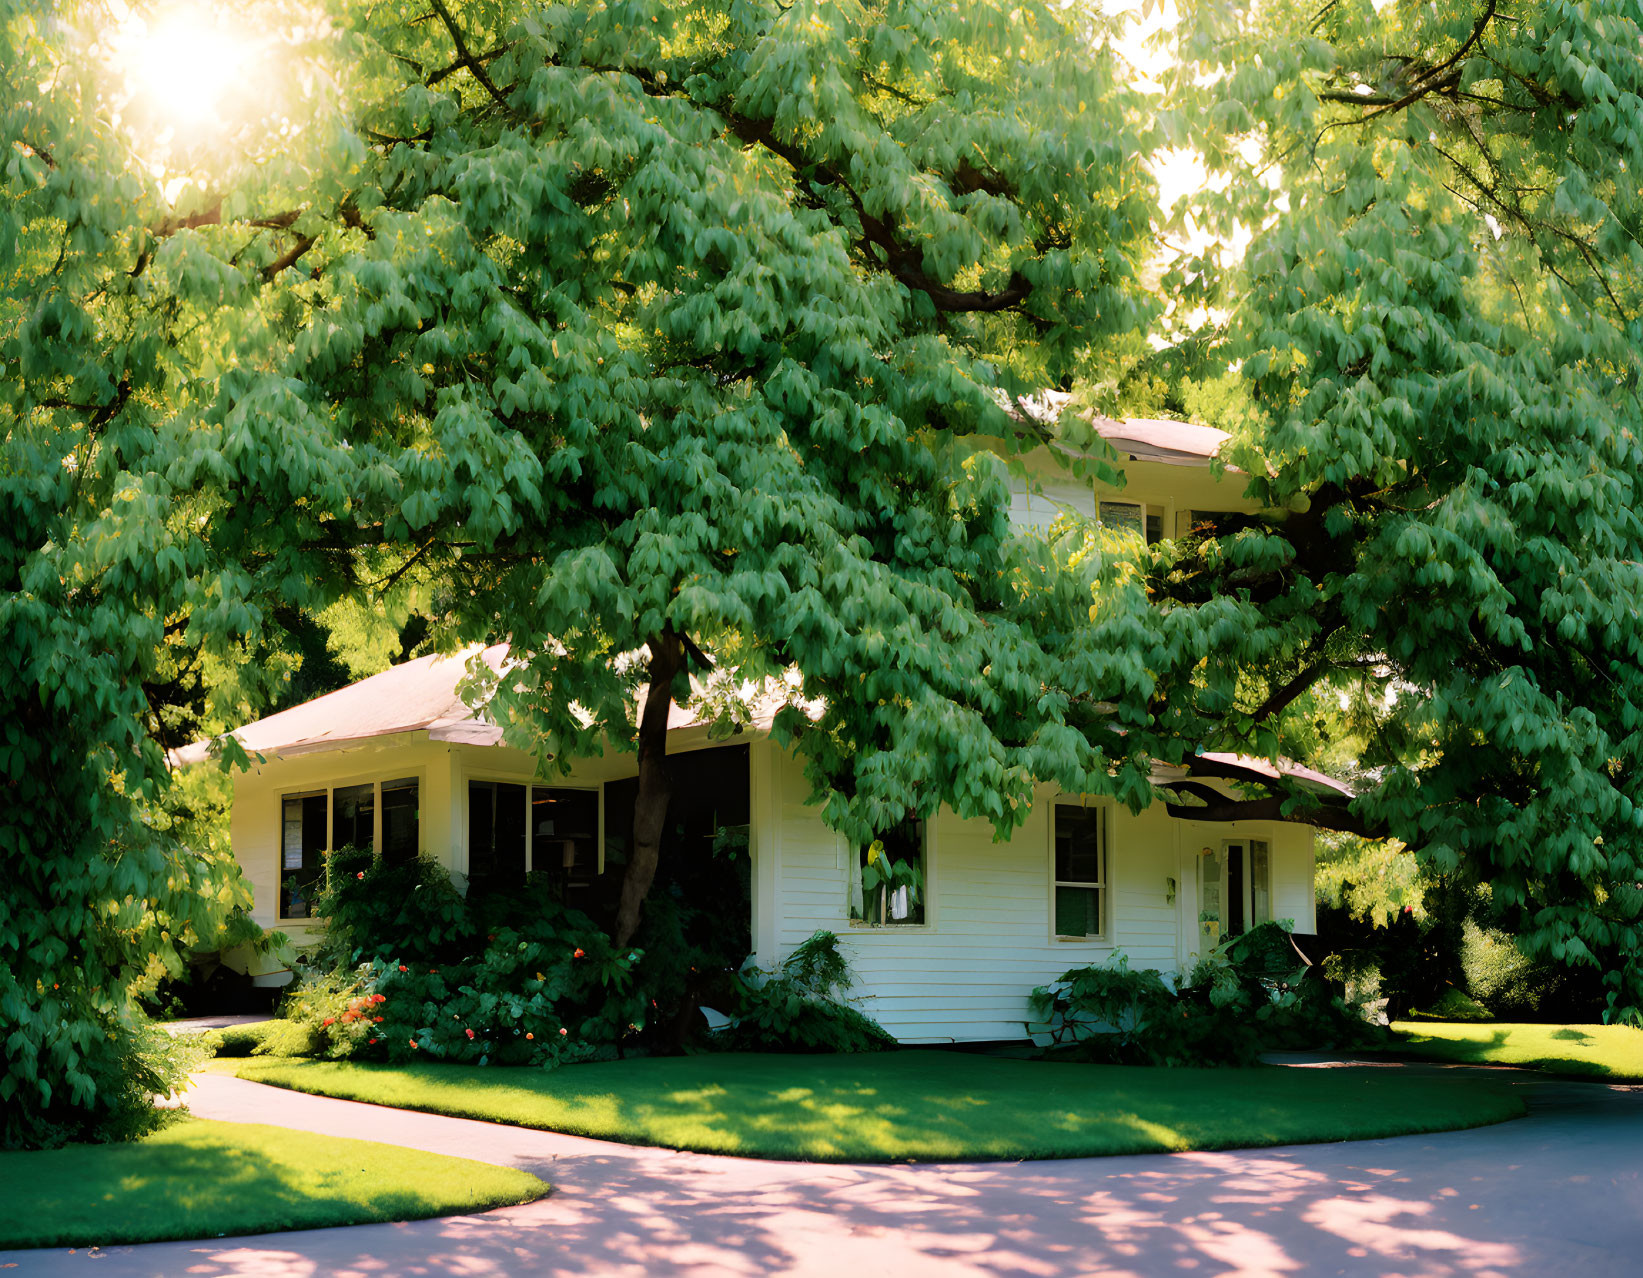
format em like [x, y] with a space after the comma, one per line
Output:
[1234, 889]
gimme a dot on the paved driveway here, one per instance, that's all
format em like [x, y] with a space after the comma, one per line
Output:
[1555, 1193]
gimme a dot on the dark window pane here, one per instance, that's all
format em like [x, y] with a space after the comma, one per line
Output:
[401, 821]
[1155, 529]
[302, 860]
[496, 832]
[1121, 516]
[1078, 840]
[1077, 911]
[565, 838]
[1235, 889]
[353, 816]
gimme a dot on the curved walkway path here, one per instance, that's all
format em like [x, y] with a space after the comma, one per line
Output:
[1557, 1192]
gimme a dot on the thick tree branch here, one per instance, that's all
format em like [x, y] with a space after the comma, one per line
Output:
[1219, 807]
[464, 57]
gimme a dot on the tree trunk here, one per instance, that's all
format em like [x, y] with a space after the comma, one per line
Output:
[667, 657]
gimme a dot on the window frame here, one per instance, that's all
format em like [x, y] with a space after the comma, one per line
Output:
[328, 788]
[596, 789]
[852, 855]
[1102, 886]
[1161, 511]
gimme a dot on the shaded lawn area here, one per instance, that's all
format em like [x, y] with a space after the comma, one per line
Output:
[1606, 1051]
[200, 1179]
[913, 1105]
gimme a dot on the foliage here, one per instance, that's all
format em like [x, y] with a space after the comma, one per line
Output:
[1250, 994]
[199, 1179]
[917, 1104]
[1372, 880]
[409, 912]
[239, 1040]
[1436, 328]
[801, 1007]
[410, 969]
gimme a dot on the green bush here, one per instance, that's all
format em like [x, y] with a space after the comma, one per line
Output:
[239, 1040]
[801, 1007]
[421, 973]
[1253, 993]
[410, 912]
[1500, 975]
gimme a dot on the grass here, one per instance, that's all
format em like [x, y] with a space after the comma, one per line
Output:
[1606, 1051]
[914, 1105]
[200, 1179]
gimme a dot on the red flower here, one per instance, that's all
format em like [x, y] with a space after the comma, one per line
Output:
[360, 875]
[328, 1020]
[469, 1033]
[563, 1031]
[412, 1042]
[579, 954]
[379, 998]
[377, 1019]
[403, 968]
[372, 1041]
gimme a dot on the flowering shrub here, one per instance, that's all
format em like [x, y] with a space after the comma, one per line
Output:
[518, 979]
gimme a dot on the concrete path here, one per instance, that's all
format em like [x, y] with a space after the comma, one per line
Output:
[1555, 1193]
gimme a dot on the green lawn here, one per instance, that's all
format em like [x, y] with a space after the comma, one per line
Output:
[199, 1179]
[914, 1105]
[1611, 1051]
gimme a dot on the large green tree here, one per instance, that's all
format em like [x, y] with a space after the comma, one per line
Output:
[644, 337]
[1435, 341]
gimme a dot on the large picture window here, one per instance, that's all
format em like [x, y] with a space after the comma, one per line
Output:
[888, 887]
[515, 829]
[384, 816]
[1080, 870]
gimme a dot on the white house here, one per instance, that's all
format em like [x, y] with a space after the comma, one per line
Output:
[398, 762]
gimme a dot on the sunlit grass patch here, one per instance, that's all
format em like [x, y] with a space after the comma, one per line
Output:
[1607, 1051]
[915, 1105]
[199, 1179]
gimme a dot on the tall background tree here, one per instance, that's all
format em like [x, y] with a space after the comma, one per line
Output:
[1434, 339]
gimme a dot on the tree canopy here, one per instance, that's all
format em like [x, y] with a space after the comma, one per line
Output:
[652, 337]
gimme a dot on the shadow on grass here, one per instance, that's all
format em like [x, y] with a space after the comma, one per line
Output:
[1505, 1200]
[198, 1179]
[915, 1105]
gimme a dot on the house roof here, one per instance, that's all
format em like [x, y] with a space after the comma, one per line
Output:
[1152, 439]
[1158, 439]
[413, 696]
[421, 696]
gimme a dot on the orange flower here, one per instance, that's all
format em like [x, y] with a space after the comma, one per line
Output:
[580, 953]
[328, 1020]
[532, 1036]
[377, 1019]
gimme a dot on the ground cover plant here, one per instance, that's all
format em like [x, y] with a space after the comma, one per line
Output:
[914, 1105]
[1251, 994]
[199, 1179]
[1607, 1051]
